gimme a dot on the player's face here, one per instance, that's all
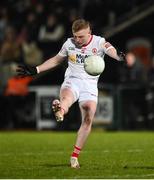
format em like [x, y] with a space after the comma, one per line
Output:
[82, 37]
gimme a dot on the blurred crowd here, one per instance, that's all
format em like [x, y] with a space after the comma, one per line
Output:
[33, 30]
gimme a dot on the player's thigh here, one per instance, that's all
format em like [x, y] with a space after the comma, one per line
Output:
[70, 89]
[67, 94]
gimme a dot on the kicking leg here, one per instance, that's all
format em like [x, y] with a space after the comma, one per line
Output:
[61, 107]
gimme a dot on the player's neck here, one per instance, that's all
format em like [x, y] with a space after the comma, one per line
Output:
[89, 41]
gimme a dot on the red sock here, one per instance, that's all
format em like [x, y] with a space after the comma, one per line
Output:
[76, 152]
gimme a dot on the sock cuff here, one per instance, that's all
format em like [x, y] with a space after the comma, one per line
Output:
[75, 155]
[79, 149]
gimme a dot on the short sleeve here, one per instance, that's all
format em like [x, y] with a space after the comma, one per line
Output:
[63, 51]
[105, 45]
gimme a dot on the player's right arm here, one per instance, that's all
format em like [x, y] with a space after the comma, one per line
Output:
[54, 61]
[50, 63]
[26, 70]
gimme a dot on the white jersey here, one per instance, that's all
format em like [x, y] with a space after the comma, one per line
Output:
[76, 56]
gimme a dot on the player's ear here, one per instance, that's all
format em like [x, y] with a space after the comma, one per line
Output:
[90, 31]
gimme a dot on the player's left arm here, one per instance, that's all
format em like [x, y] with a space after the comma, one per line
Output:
[113, 52]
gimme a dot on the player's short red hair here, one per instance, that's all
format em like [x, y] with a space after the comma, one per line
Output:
[80, 24]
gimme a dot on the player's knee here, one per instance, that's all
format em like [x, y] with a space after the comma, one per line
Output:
[88, 115]
[87, 122]
[89, 108]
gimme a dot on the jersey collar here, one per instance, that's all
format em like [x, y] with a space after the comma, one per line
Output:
[88, 41]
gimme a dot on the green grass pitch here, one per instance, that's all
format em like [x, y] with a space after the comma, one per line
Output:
[45, 154]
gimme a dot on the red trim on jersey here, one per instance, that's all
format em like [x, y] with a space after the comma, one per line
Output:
[88, 41]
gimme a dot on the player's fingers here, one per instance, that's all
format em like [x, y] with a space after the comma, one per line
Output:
[21, 66]
[21, 71]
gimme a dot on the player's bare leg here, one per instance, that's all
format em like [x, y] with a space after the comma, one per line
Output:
[88, 110]
[60, 107]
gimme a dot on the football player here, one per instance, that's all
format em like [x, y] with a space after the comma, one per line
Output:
[78, 85]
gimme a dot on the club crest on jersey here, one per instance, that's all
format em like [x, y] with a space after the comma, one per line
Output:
[94, 51]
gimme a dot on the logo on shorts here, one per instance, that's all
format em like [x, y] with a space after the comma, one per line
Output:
[93, 95]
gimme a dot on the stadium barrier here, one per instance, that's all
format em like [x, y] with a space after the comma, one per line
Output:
[120, 107]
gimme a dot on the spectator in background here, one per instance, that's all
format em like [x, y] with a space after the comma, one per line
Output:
[32, 55]
[133, 78]
[40, 13]
[31, 27]
[10, 49]
[4, 21]
[73, 15]
[133, 71]
[10, 55]
[51, 35]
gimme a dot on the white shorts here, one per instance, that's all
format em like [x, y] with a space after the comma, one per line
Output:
[82, 89]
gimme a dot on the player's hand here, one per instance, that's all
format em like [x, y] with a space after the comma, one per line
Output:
[121, 55]
[26, 70]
